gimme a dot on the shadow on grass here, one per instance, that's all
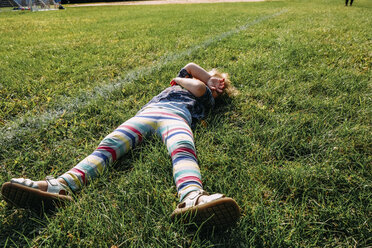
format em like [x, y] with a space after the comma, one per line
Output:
[20, 226]
[197, 236]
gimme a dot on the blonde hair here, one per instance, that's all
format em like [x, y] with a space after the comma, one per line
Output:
[229, 89]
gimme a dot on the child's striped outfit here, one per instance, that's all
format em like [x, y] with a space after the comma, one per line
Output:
[170, 115]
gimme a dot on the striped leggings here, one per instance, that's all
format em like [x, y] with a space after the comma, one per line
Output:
[175, 133]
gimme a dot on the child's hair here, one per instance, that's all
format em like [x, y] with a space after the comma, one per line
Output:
[229, 89]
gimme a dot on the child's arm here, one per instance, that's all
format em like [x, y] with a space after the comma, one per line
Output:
[196, 87]
[197, 72]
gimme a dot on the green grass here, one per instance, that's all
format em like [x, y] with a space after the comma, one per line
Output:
[294, 148]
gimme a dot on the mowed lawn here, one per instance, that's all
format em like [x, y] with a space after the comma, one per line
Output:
[294, 148]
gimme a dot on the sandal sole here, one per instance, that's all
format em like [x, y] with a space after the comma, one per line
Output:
[26, 197]
[221, 213]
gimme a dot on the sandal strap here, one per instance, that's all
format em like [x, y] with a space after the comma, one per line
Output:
[192, 198]
[194, 195]
[54, 186]
[25, 182]
[211, 198]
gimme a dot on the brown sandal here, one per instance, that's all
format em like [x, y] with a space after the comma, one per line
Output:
[24, 193]
[213, 211]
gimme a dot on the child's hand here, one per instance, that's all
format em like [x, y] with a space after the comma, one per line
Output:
[217, 84]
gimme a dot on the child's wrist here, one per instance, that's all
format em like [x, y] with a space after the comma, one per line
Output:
[209, 78]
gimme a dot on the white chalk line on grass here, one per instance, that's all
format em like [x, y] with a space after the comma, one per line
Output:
[29, 122]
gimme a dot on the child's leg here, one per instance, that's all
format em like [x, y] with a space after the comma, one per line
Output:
[111, 148]
[177, 136]
[45, 195]
[207, 211]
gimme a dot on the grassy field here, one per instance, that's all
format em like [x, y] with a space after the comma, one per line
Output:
[294, 148]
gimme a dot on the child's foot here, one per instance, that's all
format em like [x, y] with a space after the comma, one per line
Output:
[210, 210]
[38, 196]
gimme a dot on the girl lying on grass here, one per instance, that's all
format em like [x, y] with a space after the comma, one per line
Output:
[170, 115]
